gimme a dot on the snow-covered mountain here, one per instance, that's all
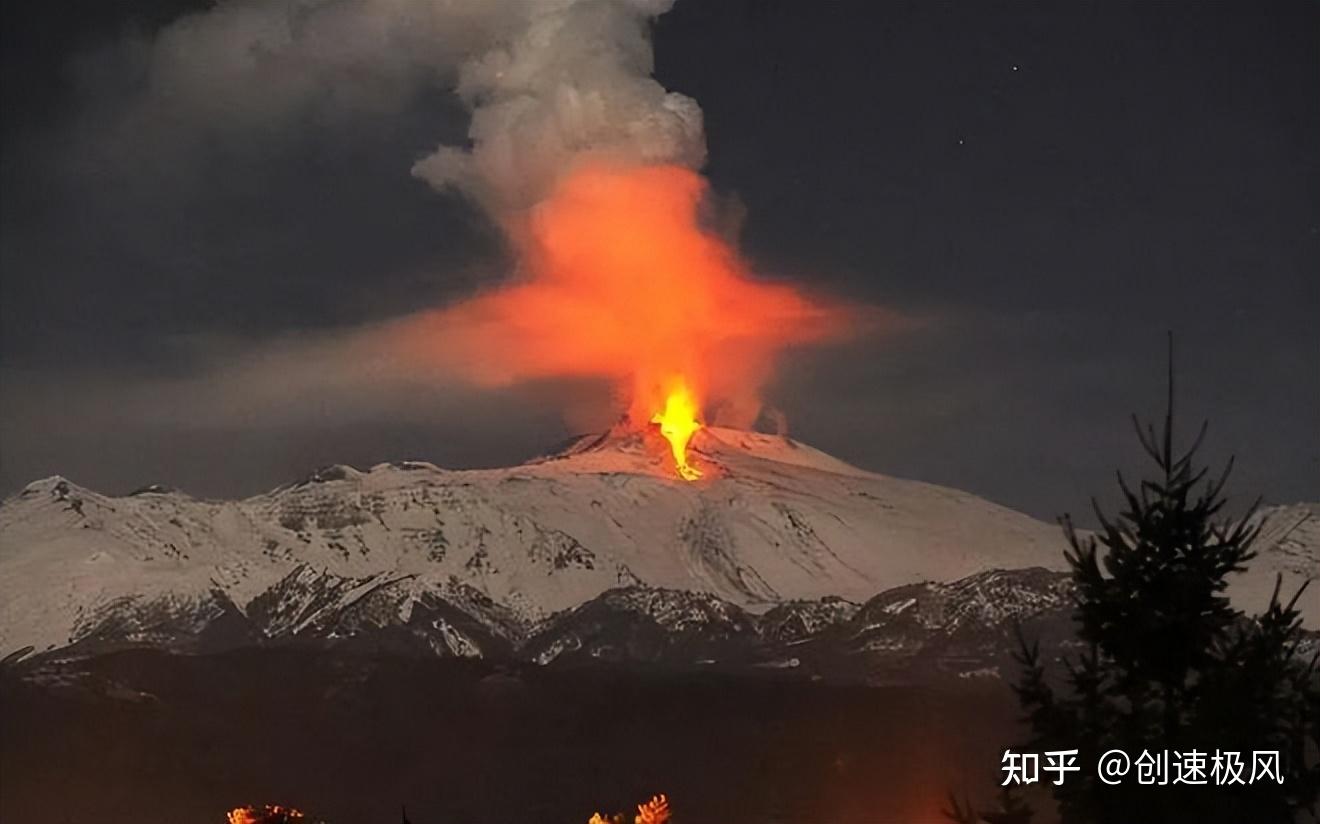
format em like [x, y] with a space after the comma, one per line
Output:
[595, 550]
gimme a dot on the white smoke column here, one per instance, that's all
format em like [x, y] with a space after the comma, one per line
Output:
[546, 80]
[591, 169]
[587, 163]
[574, 82]
[254, 64]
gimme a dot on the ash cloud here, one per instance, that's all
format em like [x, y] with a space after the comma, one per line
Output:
[235, 159]
[546, 84]
[574, 82]
[544, 80]
[195, 146]
[554, 88]
[250, 64]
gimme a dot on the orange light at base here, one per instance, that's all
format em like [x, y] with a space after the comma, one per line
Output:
[678, 423]
[655, 811]
[269, 814]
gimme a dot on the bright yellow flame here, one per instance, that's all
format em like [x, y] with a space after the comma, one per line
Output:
[678, 423]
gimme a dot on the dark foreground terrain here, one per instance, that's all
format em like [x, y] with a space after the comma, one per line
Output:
[143, 736]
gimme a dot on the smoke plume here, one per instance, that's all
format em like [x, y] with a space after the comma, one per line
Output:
[574, 82]
[625, 284]
[585, 162]
[589, 165]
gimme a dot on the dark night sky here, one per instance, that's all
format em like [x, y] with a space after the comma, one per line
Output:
[1048, 187]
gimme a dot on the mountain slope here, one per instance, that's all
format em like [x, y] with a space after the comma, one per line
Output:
[773, 520]
[478, 562]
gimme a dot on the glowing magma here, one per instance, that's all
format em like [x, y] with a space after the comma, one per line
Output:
[620, 280]
[655, 811]
[269, 814]
[678, 423]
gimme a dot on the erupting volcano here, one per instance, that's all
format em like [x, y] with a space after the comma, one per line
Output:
[621, 280]
[678, 423]
[624, 270]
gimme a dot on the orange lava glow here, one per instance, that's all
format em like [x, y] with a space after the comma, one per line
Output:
[620, 279]
[268, 814]
[655, 811]
[678, 423]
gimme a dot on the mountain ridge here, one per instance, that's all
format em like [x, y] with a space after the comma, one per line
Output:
[481, 561]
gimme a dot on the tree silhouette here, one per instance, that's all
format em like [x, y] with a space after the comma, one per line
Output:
[1168, 664]
[1011, 810]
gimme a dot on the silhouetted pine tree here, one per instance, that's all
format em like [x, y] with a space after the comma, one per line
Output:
[1170, 665]
[1011, 809]
[961, 811]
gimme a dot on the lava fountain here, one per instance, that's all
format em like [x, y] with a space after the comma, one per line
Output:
[678, 423]
[620, 278]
